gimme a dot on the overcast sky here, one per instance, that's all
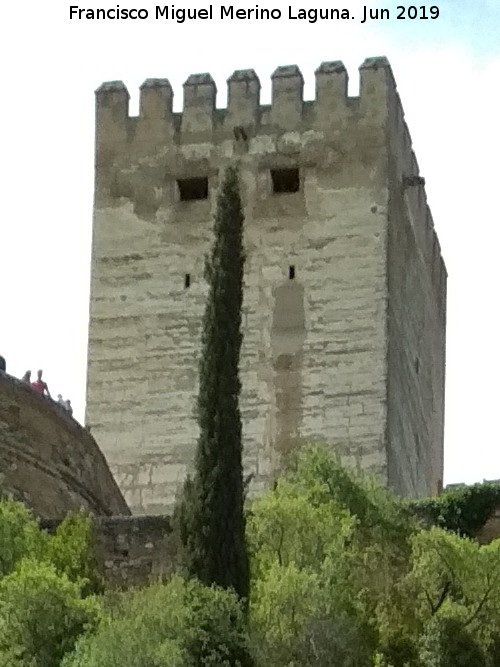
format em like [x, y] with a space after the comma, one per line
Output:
[448, 75]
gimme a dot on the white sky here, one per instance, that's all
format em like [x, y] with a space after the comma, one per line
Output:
[448, 75]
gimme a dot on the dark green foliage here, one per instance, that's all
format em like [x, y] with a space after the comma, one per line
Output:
[495, 649]
[447, 643]
[398, 648]
[217, 635]
[463, 510]
[211, 519]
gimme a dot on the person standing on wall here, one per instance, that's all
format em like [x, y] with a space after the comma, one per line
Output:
[40, 386]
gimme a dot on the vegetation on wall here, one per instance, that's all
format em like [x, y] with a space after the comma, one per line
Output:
[461, 509]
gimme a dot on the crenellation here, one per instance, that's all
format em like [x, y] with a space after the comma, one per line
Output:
[200, 94]
[200, 117]
[155, 122]
[287, 97]
[112, 105]
[113, 96]
[331, 92]
[156, 98]
[376, 88]
[243, 101]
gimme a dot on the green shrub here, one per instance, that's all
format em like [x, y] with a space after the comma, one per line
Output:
[178, 624]
[447, 643]
[41, 615]
[463, 509]
[20, 535]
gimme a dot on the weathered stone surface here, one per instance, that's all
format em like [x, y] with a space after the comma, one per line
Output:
[416, 319]
[130, 550]
[134, 550]
[47, 460]
[327, 355]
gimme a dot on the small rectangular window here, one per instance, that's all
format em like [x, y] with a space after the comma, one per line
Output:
[285, 180]
[193, 188]
[187, 280]
[291, 272]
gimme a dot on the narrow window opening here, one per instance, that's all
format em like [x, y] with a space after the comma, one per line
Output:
[285, 180]
[291, 272]
[187, 280]
[417, 366]
[193, 188]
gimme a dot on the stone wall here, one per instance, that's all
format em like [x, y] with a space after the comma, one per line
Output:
[134, 550]
[47, 460]
[130, 550]
[416, 322]
[316, 348]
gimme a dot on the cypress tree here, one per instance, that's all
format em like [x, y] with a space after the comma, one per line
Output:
[211, 519]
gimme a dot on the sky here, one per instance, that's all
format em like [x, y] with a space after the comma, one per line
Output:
[448, 75]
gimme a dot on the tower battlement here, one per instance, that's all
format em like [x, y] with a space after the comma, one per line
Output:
[345, 287]
[288, 110]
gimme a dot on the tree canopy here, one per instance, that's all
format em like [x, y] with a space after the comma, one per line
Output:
[211, 517]
[343, 574]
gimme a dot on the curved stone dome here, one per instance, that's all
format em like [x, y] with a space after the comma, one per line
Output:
[48, 460]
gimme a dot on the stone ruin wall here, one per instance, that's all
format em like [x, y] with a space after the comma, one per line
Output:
[130, 550]
[47, 460]
[133, 551]
[137, 550]
[316, 350]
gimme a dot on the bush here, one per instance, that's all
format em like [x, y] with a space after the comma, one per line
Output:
[70, 549]
[20, 535]
[463, 510]
[41, 615]
[178, 624]
[447, 643]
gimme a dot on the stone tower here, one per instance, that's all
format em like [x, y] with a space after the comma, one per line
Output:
[345, 302]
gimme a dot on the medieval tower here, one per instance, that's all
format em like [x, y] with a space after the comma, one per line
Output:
[345, 300]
